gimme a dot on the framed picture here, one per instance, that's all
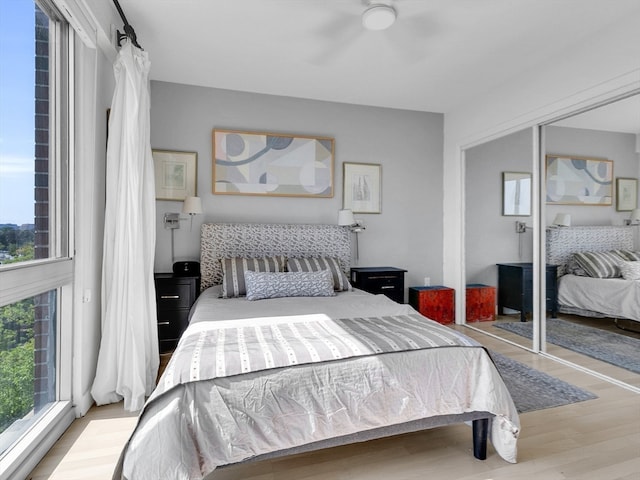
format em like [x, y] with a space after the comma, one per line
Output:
[626, 194]
[272, 164]
[362, 187]
[579, 180]
[516, 194]
[176, 174]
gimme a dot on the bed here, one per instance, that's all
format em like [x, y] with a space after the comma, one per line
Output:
[255, 379]
[583, 292]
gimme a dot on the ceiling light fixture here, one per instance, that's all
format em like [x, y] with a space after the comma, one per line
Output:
[378, 17]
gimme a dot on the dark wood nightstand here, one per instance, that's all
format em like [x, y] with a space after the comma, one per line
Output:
[386, 280]
[515, 288]
[174, 297]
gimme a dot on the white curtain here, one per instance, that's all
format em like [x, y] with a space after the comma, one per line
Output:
[128, 358]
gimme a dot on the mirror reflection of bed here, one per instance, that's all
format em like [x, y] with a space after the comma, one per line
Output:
[610, 131]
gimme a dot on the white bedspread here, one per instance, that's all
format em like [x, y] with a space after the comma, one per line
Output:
[614, 297]
[195, 427]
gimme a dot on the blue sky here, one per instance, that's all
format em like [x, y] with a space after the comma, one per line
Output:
[17, 65]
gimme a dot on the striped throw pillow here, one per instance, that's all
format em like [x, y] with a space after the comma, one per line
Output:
[233, 282]
[630, 270]
[599, 264]
[340, 280]
[628, 255]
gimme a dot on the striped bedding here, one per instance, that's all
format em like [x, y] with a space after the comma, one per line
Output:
[217, 405]
[209, 351]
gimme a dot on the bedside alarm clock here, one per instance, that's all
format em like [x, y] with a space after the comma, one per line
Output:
[186, 268]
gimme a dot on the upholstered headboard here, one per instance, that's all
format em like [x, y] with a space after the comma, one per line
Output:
[226, 240]
[562, 242]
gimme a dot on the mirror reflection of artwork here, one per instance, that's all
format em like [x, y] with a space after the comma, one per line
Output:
[516, 193]
[579, 181]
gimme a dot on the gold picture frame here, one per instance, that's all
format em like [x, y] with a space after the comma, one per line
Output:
[175, 174]
[362, 187]
[626, 194]
[272, 164]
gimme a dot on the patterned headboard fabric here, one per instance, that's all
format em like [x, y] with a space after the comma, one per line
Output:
[562, 242]
[248, 240]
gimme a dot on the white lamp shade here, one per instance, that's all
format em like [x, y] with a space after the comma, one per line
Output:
[378, 17]
[635, 216]
[562, 220]
[346, 218]
[192, 206]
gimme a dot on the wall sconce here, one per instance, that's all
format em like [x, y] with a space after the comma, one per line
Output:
[634, 218]
[191, 206]
[562, 220]
[521, 227]
[346, 219]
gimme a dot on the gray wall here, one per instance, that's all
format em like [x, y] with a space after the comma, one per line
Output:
[490, 237]
[408, 145]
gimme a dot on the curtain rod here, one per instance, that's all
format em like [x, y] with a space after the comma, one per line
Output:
[129, 32]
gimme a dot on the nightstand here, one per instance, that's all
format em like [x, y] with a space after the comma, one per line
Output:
[174, 297]
[435, 302]
[386, 280]
[515, 288]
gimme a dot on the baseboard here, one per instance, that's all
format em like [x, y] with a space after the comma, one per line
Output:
[83, 404]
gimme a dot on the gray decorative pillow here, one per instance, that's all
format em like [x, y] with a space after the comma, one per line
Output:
[599, 264]
[340, 280]
[630, 270]
[261, 285]
[234, 270]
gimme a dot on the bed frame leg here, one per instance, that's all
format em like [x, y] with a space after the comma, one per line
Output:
[480, 432]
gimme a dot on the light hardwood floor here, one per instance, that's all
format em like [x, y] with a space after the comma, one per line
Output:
[594, 440]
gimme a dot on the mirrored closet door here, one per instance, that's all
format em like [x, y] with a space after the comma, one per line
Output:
[590, 168]
[499, 243]
[588, 171]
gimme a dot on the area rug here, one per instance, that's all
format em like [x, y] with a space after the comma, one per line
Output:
[532, 389]
[610, 347]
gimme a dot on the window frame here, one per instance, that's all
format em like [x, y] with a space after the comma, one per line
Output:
[26, 279]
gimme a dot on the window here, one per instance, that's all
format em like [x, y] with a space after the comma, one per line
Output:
[35, 266]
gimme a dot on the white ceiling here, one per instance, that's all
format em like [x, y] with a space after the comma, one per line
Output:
[437, 56]
[621, 116]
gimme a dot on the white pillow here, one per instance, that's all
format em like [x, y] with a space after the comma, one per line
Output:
[630, 270]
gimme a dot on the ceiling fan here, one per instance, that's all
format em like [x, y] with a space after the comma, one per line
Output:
[402, 24]
[378, 16]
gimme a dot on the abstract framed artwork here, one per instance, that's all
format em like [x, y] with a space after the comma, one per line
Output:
[272, 164]
[516, 194]
[579, 180]
[362, 187]
[626, 194]
[175, 174]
